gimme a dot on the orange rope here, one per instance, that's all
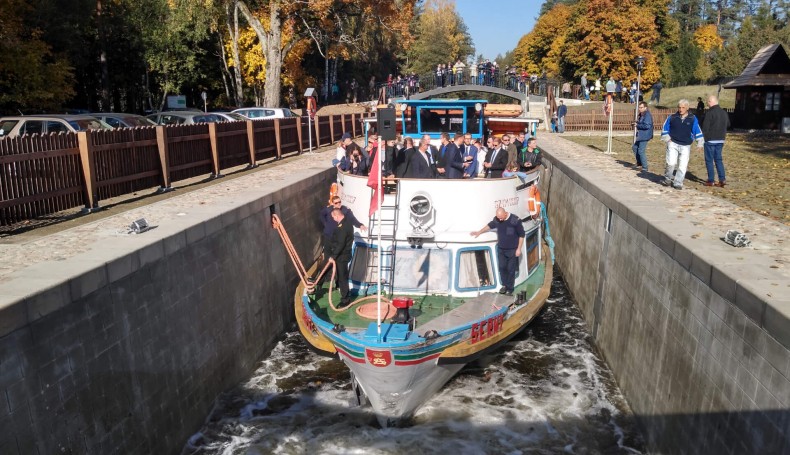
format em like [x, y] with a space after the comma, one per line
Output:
[308, 283]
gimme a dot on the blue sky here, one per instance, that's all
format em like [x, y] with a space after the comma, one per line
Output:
[497, 25]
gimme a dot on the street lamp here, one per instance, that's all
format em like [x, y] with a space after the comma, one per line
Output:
[309, 95]
[640, 65]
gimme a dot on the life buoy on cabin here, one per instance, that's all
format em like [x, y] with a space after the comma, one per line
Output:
[533, 200]
[332, 192]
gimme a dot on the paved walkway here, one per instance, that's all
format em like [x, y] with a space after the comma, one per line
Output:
[68, 243]
[710, 217]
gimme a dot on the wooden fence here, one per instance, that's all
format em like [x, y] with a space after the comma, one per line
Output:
[41, 175]
[595, 120]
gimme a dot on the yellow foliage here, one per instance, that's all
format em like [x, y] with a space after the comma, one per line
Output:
[541, 49]
[707, 38]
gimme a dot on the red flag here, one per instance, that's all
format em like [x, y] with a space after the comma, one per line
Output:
[373, 182]
[608, 104]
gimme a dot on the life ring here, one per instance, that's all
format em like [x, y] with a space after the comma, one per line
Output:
[332, 192]
[533, 200]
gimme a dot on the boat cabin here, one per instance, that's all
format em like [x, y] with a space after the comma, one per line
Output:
[415, 118]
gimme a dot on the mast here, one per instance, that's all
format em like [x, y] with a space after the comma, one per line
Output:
[380, 201]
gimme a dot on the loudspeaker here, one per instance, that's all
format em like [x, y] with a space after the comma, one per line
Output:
[385, 117]
[309, 92]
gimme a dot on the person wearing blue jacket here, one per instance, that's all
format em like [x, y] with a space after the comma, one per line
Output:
[680, 130]
[644, 132]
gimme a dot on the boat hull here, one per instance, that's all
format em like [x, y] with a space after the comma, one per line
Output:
[399, 375]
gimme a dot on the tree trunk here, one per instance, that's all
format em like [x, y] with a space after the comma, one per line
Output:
[274, 57]
[105, 73]
[237, 61]
[326, 79]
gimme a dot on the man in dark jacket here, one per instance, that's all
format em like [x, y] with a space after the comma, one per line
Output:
[643, 132]
[421, 165]
[496, 160]
[529, 157]
[454, 157]
[340, 253]
[714, 128]
[330, 226]
[510, 239]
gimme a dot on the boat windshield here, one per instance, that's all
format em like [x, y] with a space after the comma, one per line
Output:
[434, 120]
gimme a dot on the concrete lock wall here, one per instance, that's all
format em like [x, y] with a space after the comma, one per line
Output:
[129, 355]
[699, 350]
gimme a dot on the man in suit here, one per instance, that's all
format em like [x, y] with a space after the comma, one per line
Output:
[496, 160]
[440, 158]
[340, 253]
[454, 157]
[510, 147]
[431, 148]
[421, 165]
[470, 157]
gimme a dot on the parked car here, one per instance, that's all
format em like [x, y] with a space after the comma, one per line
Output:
[121, 120]
[12, 126]
[183, 117]
[231, 117]
[256, 113]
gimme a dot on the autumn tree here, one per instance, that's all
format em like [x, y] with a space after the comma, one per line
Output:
[542, 48]
[442, 37]
[608, 34]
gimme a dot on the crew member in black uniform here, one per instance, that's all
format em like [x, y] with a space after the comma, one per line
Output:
[510, 238]
[340, 252]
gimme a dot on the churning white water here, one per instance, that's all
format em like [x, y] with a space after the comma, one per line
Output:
[548, 391]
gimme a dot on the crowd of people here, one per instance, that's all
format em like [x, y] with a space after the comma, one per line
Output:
[623, 91]
[456, 157]
[486, 72]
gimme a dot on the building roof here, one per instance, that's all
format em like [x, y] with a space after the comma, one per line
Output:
[770, 66]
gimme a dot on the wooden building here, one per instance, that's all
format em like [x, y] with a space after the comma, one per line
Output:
[762, 99]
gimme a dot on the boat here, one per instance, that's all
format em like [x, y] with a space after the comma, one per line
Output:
[426, 290]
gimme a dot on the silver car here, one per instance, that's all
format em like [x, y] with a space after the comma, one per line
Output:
[18, 125]
[121, 120]
[183, 118]
[257, 113]
[231, 117]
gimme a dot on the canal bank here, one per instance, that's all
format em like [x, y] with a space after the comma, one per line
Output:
[696, 331]
[111, 342]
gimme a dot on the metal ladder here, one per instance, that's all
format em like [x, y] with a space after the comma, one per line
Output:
[388, 226]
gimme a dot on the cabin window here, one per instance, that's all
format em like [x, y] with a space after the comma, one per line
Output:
[422, 270]
[533, 251]
[772, 100]
[447, 120]
[475, 269]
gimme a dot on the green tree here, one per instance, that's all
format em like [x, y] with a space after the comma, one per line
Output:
[684, 61]
[32, 77]
[442, 36]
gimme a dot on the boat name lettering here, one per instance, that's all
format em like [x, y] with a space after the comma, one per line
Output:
[378, 358]
[348, 198]
[487, 329]
[509, 202]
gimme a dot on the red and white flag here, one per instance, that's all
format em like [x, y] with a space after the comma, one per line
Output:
[373, 181]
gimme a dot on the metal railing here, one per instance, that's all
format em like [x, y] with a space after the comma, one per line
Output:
[505, 80]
